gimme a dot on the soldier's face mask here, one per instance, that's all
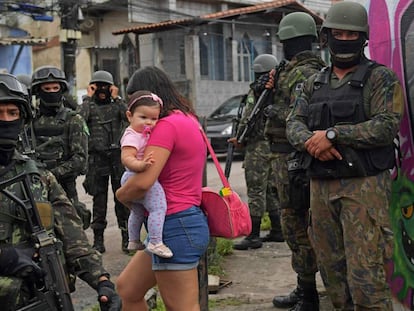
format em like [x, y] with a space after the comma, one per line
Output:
[50, 95]
[51, 98]
[102, 93]
[9, 133]
[293, 46]
[346, 53]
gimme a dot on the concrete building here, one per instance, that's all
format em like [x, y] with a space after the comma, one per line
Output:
[207, 47]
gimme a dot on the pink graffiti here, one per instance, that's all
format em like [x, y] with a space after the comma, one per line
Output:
[381, 50]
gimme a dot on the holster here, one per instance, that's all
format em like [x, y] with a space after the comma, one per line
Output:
[89, 184]
[299, 182]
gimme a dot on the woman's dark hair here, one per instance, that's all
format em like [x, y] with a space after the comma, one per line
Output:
[143, 98]
[157, 81]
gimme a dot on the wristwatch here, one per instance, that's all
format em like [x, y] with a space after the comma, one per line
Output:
[331, 134]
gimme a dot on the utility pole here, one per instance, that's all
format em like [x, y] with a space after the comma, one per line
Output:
[69, 34]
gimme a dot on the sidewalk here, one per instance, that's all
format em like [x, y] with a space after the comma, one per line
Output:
[256, 277]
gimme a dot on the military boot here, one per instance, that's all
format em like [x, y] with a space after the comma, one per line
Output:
[275, 234]
[310, 299]
[98, 241]
[125, 241]
[290, 300]
[252, 240]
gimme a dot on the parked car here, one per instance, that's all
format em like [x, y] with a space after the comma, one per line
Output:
[220, 124]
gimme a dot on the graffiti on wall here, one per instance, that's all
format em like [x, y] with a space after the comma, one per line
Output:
[392, 44]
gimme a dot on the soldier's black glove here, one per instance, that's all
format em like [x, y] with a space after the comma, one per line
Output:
[259, 85]
[18, 263]
[107, 288]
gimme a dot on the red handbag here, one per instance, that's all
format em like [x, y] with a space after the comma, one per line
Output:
[227, 215]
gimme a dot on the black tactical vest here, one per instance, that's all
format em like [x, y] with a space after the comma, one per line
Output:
[52, 137]
[106, 127]
[345, 105]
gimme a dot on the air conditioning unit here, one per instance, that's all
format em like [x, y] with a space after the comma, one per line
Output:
[87, 25]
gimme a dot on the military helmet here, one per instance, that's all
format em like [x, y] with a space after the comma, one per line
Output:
[46, 74]
[13, 91]
[296, 24]
[347, 16]
[102, 76]
[264, 63]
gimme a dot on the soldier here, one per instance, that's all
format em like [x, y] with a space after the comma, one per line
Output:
[105, 114]
[346, 120]
[262, 195]
[22, 275]
[297, 32]
[59, 135]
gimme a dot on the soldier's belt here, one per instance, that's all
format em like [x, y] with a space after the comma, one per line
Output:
[281, 147]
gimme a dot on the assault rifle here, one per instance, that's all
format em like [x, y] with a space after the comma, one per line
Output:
[259, 106]
[52, 292]
[230, 146]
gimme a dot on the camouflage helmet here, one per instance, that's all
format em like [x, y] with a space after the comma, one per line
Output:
[102, 76]
[296, 24]
[347, 16]
[264, 63]
[13, 91]
[47, 74]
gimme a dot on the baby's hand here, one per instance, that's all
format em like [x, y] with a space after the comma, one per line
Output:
[148, 160]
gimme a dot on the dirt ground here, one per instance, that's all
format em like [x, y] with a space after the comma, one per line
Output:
[255, 276]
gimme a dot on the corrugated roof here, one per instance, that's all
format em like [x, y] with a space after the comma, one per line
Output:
[22, 41]
[204, 19]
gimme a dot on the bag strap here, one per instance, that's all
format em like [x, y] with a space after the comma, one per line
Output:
[216, 162]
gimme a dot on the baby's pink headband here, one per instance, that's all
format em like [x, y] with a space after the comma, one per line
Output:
[152, 96]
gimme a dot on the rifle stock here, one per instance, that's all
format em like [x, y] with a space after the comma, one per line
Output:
[53, 292]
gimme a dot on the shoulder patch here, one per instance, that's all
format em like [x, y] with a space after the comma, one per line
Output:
[299, 87]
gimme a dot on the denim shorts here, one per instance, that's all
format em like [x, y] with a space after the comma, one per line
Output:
[186, 234]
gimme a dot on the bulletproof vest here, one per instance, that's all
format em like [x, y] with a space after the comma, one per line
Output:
[345, 105]
[52, 137]
[105, 127]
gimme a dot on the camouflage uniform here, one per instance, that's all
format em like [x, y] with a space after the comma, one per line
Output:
[350, 226]
[262, 195]
[106, 124]
[260, 190]
[293, 218]
[60, 220]
[61, 143]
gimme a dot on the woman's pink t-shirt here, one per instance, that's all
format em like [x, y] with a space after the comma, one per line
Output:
[182, 174]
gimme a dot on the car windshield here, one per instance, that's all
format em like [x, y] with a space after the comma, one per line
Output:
[228, 108]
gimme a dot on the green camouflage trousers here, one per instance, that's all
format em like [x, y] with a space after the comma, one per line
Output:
[261, 193]
[352, 238]
[294, 223]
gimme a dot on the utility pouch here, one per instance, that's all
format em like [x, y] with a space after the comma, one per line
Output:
[46, 214]
[299, 182]
[89, 184]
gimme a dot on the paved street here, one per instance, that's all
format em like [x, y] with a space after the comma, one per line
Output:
[255, 275]
[114, 259]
